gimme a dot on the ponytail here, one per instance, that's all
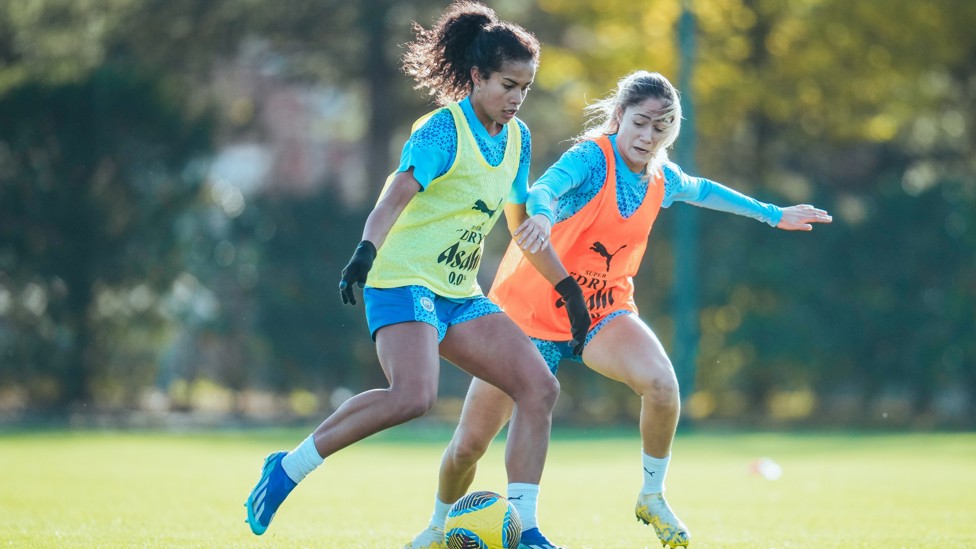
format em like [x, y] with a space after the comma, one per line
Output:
[468, 34]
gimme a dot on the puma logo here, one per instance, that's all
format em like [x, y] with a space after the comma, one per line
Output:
[483, 208]
[599, 248]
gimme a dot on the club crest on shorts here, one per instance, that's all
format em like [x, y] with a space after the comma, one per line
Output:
[427, 303]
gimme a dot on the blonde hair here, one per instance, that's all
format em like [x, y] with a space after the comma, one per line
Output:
[633, 89]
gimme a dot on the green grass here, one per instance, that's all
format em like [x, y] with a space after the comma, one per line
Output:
[107, 489]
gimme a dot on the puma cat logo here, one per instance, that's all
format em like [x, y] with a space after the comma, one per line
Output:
[599, 248]
[483, 208]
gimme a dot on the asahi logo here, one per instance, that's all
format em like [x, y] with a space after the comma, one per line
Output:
[463, 255]
[455, 258]
[599, 248]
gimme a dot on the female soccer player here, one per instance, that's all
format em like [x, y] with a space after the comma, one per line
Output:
[420, 252]
[607, 190]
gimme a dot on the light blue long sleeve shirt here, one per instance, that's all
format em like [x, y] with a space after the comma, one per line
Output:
[569, 185]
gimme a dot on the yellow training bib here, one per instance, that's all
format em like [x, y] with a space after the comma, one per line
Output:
[438, 240]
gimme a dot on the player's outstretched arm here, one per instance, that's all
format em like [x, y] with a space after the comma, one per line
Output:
[801, 218]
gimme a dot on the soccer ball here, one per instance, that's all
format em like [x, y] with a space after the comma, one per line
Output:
[483, 520]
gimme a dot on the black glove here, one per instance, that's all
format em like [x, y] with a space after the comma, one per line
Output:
[579, 316]
[356, 270]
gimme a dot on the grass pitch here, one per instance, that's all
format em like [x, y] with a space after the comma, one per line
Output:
[108, 489]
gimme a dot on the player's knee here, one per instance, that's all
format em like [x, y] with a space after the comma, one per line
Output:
[546, 391]
[467, 449]
[414, 405]
[658, 386]
[663, 390]
[417, 408]
[552, 390]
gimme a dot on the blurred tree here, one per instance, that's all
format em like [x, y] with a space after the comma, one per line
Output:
[352, 46]
[820, 99]
[850, 106]
[853, 106]
[54, 41]
[316, 342]
[94, 174]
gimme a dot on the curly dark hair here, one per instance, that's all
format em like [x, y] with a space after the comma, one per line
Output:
[468, 34]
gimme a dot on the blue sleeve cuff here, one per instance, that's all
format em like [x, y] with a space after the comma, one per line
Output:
[775, 215]
[540, 202]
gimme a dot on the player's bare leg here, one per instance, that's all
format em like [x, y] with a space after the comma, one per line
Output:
[408, 355]
[486, 410]
[504, 357]
[494, 349]
[627, 350]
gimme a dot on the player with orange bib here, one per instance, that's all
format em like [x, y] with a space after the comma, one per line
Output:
[596, 206]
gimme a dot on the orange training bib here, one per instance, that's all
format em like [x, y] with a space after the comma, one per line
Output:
[597, 245]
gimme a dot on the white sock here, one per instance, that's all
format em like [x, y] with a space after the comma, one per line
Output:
[439, 517]
[655, 470]
[524, 498]
[302, 460]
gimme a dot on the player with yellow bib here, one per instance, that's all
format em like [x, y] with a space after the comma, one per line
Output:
[463, 166]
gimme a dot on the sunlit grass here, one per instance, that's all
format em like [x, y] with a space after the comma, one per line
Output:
[98, 489]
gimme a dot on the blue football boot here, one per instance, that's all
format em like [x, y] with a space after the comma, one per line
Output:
[271, 490]
[533, 539]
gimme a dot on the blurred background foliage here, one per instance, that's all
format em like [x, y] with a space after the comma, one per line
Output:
[181, 183]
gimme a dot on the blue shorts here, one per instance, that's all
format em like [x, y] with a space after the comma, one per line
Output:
[385, 306]
[554, 351]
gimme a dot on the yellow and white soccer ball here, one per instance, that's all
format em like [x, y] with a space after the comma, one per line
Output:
[483, 520]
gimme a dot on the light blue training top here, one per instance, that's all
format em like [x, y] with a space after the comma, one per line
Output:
[580, 172]
[432, 148]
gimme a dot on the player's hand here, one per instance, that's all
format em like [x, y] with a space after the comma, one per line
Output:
[579, 316]
[533, 234]
[356, 271]
[799, 218]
